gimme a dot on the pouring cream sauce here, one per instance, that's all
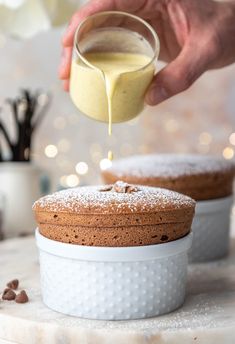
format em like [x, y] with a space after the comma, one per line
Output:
[113, 90]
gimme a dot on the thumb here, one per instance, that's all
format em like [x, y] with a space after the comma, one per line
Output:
[177, 76]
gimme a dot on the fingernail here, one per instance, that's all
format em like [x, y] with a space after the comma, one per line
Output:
[156, 95]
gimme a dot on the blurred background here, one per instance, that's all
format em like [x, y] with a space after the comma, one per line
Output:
[71, 148]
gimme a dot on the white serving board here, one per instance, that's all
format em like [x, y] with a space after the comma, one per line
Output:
[208, 315]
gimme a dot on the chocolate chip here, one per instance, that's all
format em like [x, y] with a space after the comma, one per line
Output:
[13, 284]
[122, 187]
[8, 295]
[5, 291]
[106, 188]
[131, 188]
[22, 297]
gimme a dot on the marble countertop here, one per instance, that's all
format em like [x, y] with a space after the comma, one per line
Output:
[208, 315]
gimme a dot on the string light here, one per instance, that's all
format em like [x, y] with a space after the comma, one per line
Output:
[105, 163]
[171, 125]
[63, 145]
[232, 139]
[205, 138]
[81, 168]
[51, 151]
[63, 181]
[42, 99]
[59, 123]
[96, 152]
[228, 153]
[72, 180]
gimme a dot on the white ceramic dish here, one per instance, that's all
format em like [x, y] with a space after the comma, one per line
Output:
[113, 283]
[211, 230]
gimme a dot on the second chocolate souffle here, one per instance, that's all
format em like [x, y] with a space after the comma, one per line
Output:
[207, 179]
[197, 176]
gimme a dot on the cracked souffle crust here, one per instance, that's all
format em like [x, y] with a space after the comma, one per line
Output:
[120, 214]
[200, 177]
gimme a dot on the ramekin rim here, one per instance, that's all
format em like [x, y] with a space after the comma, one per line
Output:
[113, 254]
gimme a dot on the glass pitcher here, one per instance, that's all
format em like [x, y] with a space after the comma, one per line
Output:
[112, 32]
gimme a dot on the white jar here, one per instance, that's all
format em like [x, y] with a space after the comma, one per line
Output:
[20, 187]
[113, 283]
[211, 230]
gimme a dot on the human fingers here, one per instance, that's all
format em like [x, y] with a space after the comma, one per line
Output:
[178, 75]
[64, 67]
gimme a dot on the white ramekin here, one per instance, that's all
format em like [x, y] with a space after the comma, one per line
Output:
[211, 230]
[113, 283]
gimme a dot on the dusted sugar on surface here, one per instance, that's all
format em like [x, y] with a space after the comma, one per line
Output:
[170, 165]
[114, 215]
[91, 199]
[200, 177]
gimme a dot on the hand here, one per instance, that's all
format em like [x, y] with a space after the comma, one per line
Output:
[195, 35]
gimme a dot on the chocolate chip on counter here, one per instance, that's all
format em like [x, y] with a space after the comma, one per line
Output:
[22, 297]
[13, 284]
[5, 291]
[8, 295]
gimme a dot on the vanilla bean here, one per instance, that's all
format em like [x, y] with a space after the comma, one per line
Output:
[27, 113]
[1, 159]
[5, 135]
[41, 113]
[34, 104]
[26, 95]
[14, 109]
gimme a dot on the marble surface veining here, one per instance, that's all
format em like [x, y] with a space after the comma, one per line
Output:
[208, 315]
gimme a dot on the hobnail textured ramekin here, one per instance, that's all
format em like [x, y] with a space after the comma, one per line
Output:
[113, 283]
[211, 230]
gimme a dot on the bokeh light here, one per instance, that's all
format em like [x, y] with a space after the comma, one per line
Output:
[51, 151]
[205, 138]
[81, 168]
[64, 145]
[72, 180]
[228, 153]
[105, 163]
[232, 139]
[171, 125]
[43, 99]
[59, 123]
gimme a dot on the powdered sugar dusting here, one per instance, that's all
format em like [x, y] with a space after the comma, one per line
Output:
[91, 199]
[170, 166]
